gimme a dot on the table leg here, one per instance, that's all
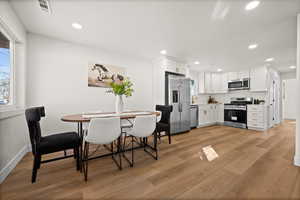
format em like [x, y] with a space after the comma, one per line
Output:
[80, 132]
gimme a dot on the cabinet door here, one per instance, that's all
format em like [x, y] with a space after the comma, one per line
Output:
[232, 76]
[203, 115]
[208, 86]
[224, 83]
[215, 114]
[258, 79]
[244, 74]
[220, 111]
[215, 83]
[212, 114]
[201, 83]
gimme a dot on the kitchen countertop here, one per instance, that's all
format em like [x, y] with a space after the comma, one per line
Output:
[205, 104]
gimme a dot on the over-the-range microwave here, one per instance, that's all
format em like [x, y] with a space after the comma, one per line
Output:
[241, 84]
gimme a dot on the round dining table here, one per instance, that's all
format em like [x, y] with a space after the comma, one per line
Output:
[86, 117]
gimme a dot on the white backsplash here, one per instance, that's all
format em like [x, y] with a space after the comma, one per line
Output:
[225, 98]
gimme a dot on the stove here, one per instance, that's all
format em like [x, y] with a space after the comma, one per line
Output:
[235, 112]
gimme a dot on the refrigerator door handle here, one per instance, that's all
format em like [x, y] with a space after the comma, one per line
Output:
[180, 107]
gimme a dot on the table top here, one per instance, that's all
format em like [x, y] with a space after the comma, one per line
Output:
[86, 117]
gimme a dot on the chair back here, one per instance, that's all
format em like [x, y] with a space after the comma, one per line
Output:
[33, 117]
[144, 126]
[165, 113]
[103, 130]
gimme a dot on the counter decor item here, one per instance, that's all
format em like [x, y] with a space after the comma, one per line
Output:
[211, 100]
[120, 88]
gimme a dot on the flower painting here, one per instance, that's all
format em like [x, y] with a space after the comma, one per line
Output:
[102, 75]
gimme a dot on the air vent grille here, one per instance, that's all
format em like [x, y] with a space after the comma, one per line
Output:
[45, 5]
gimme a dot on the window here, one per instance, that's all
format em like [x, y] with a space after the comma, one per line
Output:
[6, 69]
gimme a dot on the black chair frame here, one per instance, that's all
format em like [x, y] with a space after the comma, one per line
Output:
[33, 117]
[165, 120]
[143, 143]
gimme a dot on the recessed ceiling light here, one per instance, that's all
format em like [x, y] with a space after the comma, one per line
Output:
[252, 5]
[196, 62]
[163, 52]
[76, 25]
[269, 59]
[293, 67]
[219, 70]
[252, 46]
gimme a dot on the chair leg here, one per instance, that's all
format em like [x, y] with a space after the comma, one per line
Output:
[76, 151]
[85, 160]
[39, 161]
[155, 145]
[124, 151]
[169, 135]
[159, 137]
[120, 151]
[35, 168]
[132, 156]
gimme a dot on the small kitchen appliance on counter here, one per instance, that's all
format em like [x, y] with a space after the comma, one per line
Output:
[235, 112]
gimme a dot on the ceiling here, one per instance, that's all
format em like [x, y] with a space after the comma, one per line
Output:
[214, 32]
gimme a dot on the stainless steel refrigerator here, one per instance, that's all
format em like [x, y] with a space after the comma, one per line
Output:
[179, 98]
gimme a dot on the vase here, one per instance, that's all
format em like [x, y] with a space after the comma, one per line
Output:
[119, 104]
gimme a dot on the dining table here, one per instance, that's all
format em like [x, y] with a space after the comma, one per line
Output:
[79, 119]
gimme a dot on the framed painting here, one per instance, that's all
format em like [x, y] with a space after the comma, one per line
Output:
[101, 75]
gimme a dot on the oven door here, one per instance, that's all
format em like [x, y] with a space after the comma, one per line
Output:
[235, 85]
[237, 116]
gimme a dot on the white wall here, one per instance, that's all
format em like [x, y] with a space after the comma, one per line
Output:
[57, 79]
[288, 75]
[13, 129]
[297, 139]
[289, 99]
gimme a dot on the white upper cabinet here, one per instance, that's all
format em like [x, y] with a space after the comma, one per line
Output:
[224, 82]
[219, 82]
[232, 76]
[238, 75]
[208, 82]
[215, 82]
[212, 83]
[244, 74]
[258, 79]
[201, 83]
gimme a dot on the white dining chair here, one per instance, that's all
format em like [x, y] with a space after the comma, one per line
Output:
[126, 124]
[102, 131]
[85, 125]
[143, 127]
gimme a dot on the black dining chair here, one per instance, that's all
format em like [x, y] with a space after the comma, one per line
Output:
[164, 124]
[49, 144]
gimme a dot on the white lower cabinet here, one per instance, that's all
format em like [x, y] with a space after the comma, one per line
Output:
[257, 117]
[211, 114]
[220, 115]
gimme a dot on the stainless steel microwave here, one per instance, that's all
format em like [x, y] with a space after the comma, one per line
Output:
[242, 84]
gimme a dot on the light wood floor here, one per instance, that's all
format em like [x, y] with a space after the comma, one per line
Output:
[251, 165]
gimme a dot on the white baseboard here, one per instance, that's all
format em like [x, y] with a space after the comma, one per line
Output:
[297, 160]
[13, 163]
[206, 124]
